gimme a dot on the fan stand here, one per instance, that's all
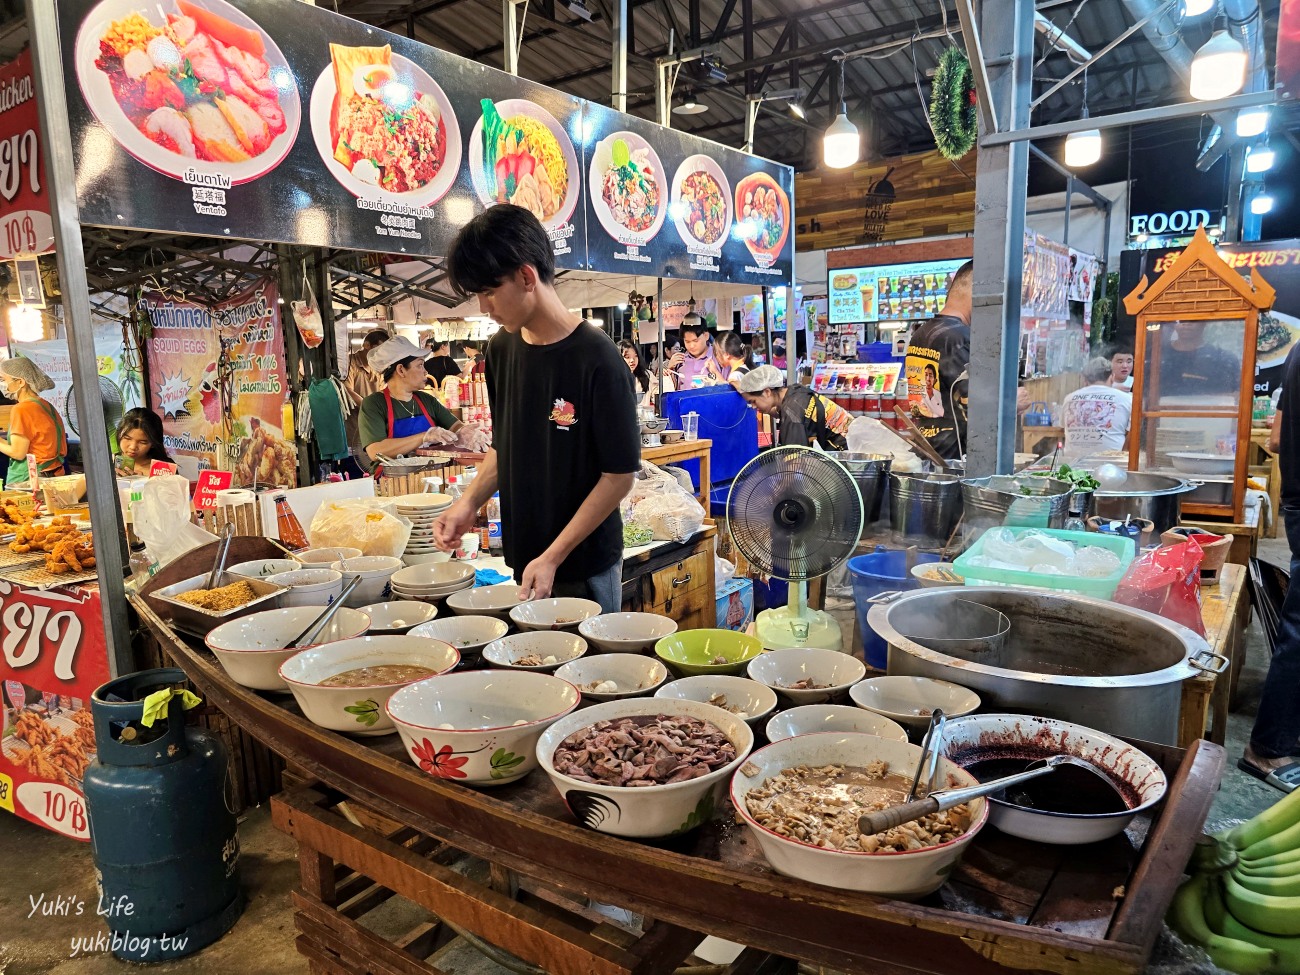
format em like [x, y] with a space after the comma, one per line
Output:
[797, 625]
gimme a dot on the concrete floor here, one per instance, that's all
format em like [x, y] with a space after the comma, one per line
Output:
[34, 861]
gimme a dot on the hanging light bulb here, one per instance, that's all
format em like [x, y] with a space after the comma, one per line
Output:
[691, 318]
[1252, 122]
[1083, 148]
[841, 145]
[1262, 204]
[1219, 67]
[1260, 158]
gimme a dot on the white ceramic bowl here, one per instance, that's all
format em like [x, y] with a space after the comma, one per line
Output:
[813, 719]
[415, 558]
[462, 727]
[359, 710]
[929, 575]
[496, 600]
[556, 613]
[468, 634]
[647, 811]
[398, 615]
[754, 699]
[375, 571]
[433, 575]
[1139, 779]
[633, 675]
[832, 671]
[328, 556]
[1193, 462]
[423, 503]
[914, 873]
[626, 632]
[554, 645]
[911, 700]
[309, 587]
[264, 568]
[251, 647]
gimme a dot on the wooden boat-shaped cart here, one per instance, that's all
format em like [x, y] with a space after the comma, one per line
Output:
[1010, 906]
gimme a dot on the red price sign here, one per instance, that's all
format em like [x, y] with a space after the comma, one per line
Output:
[209, 483]
[159, 467]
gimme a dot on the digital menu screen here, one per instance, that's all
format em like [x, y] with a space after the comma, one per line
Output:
[888, 292]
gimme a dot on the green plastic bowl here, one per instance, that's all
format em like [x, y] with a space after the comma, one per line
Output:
[691, 652]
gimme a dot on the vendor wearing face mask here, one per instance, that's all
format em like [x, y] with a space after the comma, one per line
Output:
[35, 426]
[403, 417]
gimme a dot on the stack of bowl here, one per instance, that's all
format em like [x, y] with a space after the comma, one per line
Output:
[422, 510]
[374, 570]
[431, 583]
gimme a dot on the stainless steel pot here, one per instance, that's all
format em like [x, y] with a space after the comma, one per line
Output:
[870, 472]
[1156, 498]
[1105, 666]
[1017, 501]
[924, 507]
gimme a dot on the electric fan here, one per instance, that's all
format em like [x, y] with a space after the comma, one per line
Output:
[110, 399]
[795, 514]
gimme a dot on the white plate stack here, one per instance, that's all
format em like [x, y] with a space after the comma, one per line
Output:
[433, 582]
[422, 510]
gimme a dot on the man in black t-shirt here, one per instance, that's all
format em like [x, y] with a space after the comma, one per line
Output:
[566, 442]
[1274, 750]
[937, 356]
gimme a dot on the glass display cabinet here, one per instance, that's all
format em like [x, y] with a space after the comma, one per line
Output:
[1194, 383]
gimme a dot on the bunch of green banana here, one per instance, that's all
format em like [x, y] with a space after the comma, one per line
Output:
[1242, 903]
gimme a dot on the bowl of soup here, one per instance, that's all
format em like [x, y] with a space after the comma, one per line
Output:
[345, 686]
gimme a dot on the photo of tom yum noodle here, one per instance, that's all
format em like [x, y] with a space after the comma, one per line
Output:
[701, 206]
[520, 154]
[187, 82]
[384, 127]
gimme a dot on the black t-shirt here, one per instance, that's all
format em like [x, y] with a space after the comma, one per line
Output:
[439, 367]
[1289, 448]
[937, 356]
[562, 415]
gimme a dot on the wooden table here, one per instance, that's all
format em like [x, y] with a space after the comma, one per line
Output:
[673, 453]
[1245, 533]
[1034, 434]
[1259, 441]
[1225, 610]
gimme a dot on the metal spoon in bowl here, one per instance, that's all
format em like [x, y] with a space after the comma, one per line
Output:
[878, 822]
[315, 626]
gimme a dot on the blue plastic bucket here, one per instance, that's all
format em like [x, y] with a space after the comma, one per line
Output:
[882, 571]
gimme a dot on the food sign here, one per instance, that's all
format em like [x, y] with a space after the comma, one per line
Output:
[25, 225]
[277, 120]
[52, 658]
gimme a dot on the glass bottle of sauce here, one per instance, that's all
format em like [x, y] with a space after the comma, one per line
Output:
[292, 536]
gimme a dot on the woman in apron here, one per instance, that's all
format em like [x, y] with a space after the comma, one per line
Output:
[35, 426]
[403, 417]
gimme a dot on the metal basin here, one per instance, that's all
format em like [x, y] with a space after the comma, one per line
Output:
[924, 507]
[1021, 501]
[1105, 666]
[1156, 498]
[869, 472]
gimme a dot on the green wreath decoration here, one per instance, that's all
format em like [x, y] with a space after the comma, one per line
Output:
[952, 105]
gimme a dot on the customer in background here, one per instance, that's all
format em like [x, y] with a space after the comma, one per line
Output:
[440, 365]
[35, 426]
[567, 441]
[941, 346]
[1096, 417]
[140, 443]
[640, 375]
[405, 416]
[734, 357]
[1273, 753]
[1121, 369]
[778, 354]
[474, 361]
[806, 418]
[359, 383]
[696, 365]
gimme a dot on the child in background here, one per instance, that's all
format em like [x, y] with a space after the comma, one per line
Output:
[140, 440]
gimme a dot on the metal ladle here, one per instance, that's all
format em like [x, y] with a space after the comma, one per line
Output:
[878, 822]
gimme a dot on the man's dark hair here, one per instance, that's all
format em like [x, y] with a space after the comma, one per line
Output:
[375, 336]
[695, 328]
[496, 244]
[962, 276]
[392, 370]
[931, 370]
[1121, 348]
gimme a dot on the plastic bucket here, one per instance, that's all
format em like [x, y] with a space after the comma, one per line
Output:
[882, 571]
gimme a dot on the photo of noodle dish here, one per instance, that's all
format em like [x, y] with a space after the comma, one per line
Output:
[519, 153]
[701, 204]
[762, 217]
[188, 85]
[383, 127]
[628, 188]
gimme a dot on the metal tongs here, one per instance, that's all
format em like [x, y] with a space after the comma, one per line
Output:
[223, 550]
[931, 745]
[316, 625]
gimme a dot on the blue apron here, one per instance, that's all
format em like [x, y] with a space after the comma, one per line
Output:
[406, 426]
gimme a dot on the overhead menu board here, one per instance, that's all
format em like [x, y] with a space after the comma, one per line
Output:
[888, 292]
[277, 120]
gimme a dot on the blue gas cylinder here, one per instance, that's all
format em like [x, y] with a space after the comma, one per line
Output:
[162, 824]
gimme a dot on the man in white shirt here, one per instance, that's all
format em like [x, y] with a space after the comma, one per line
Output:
[1121, 369]
[1096, 416]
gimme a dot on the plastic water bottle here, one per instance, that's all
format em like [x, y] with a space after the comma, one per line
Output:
[494, 525]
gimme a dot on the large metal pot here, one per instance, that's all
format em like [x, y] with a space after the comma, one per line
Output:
[869, 472]
[1102, 665]
[1156, 498]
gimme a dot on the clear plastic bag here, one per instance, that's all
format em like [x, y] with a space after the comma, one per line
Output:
[161, 520]
[670, 511]
[364, 523]
[1166, 581]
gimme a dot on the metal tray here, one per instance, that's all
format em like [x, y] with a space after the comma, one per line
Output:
[197, 621]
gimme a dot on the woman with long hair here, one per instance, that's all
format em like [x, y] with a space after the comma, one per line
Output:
[140, 441]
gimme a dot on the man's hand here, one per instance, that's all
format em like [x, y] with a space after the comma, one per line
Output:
[437, 435]
[451, 524]
[676, 359]
[539, 579]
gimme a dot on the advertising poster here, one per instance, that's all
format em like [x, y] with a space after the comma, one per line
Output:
[888, 292]
[217, 376]
[54, 657]
[25, 224]
[119, 375]
[1279, 329]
